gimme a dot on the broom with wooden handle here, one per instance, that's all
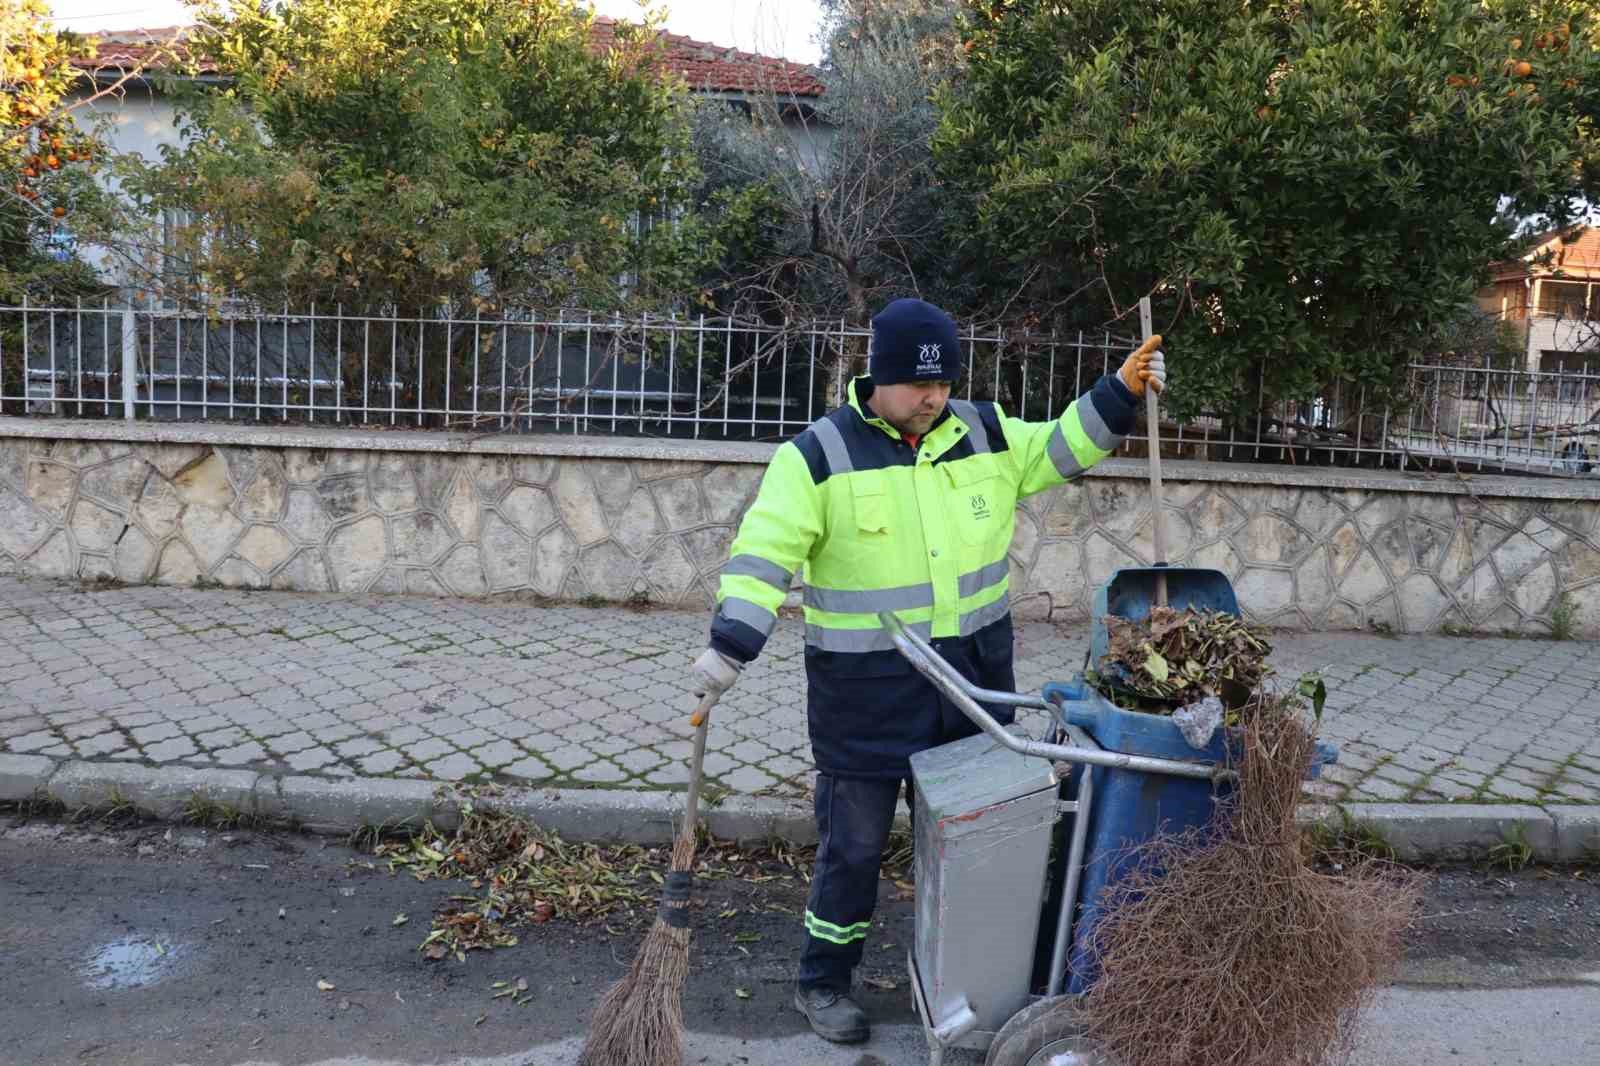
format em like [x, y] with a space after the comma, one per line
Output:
[639, 1021]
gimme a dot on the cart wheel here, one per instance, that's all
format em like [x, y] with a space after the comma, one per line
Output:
[1049, 1033]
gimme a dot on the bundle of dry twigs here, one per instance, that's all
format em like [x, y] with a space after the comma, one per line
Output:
[1228, 945]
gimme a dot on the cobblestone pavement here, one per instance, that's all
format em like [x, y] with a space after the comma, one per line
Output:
[592, 696]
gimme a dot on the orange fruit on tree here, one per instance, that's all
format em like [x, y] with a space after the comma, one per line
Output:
[1524, 69]
[59, 212]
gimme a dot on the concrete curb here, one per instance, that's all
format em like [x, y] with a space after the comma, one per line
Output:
[336, 806]
[1437, 832]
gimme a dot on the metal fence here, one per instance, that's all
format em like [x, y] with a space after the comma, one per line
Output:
[704, 377]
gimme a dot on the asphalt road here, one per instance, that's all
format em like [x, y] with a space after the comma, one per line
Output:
[141, 946]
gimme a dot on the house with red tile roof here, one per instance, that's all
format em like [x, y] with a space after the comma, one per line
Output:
[143, 121]
[704, 67]
[1551, 294]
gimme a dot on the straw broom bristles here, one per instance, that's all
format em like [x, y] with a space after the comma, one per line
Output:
[639, 1021]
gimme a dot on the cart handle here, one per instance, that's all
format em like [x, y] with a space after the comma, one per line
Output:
[966, 695]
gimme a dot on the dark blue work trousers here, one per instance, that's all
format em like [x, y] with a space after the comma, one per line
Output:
[854, 816]
[866, 721]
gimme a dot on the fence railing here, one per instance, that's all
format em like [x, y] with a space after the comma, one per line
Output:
[704, 377]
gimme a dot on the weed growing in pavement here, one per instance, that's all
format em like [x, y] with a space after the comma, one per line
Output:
[39, 804]
[200, 809]
[1513, 853]
[368, 837]
[1349, 840]
[1564, 618]
[116, 810]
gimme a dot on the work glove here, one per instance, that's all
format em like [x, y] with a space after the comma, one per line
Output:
[713, 673]
[1146, 364]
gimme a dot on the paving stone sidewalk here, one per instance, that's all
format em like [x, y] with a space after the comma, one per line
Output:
[595, 696]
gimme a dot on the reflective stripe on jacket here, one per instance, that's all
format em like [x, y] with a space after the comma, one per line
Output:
[873, 524]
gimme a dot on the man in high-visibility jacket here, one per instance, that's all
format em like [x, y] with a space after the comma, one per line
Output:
[905, 500]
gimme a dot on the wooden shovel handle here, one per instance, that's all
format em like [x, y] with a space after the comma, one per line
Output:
[1153, 433]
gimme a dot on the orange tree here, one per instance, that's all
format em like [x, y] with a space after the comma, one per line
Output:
[426, 152]
[1311, 189]
[48, 161]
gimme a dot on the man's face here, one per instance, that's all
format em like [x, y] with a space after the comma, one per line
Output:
[911, 407]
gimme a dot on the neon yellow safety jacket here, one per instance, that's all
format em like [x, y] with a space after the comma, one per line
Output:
[874, 524]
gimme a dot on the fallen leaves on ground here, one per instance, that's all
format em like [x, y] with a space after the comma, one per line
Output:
[521, 874]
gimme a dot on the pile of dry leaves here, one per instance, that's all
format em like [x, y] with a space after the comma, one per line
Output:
[522, 874]
[1178, 657]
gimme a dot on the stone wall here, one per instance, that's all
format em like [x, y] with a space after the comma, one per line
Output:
[568, 518]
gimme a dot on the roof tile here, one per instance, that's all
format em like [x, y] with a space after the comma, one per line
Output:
[703, 66]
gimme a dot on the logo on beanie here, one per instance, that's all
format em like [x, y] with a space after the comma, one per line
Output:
[929, 359]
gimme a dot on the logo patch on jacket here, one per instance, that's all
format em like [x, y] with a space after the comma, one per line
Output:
[980, 508]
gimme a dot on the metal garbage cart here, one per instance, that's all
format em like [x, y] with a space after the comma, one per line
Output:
[1016, 837]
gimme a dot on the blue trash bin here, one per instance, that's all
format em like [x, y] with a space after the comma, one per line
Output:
[1131, 807]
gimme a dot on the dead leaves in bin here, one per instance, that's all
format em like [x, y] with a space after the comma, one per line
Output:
[1176, 657]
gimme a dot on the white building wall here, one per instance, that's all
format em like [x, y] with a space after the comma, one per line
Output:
[141, 121]
[1550, 333]
[134, 121]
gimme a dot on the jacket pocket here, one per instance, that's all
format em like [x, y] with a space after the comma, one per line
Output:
[871, 501]
[979, 499]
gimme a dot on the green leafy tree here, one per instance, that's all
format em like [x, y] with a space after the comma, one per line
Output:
[1310, 190]
[424, 152]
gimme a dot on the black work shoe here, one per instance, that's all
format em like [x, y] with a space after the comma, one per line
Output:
[833, 1015]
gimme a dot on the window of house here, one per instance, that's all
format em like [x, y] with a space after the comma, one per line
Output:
[177, 270]
[1564, 299]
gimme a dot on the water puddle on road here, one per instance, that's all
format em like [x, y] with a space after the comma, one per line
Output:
[133, 962]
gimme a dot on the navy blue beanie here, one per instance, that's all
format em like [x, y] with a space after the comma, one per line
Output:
[913, 341]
